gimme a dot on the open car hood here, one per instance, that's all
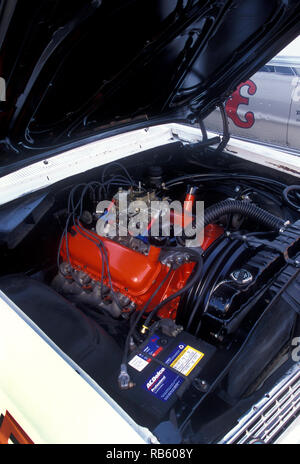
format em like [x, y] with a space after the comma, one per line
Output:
[74, 69]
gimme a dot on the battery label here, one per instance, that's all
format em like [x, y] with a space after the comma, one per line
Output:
[141, 360]
[186, 360]
[163, 383]
[139, 363]
[175, 353]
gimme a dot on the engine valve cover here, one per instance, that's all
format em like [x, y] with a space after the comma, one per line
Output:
[134, 276]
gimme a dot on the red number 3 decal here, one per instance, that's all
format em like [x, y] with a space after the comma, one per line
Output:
[237, 99]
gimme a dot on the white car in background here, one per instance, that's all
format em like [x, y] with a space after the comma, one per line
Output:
[266, 107]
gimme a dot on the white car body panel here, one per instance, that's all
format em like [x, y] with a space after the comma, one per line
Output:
[81, 159]
[60, 404]
[291, 435]
[275, 158]
[91, 155]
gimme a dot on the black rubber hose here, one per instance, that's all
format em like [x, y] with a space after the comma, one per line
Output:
[245, 208]
[287, 191]
[226, 133]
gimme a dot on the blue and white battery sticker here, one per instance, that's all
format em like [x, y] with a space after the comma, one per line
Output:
[141, 360]
[184, 358]
[175, 353]
[163, 383]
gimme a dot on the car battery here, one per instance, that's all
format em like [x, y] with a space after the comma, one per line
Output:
[163, 368]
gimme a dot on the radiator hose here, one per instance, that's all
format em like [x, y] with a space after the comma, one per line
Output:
[223, 208]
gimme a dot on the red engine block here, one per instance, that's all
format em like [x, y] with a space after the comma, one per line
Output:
[133, 274]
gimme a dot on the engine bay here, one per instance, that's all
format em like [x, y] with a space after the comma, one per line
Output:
[166, 322]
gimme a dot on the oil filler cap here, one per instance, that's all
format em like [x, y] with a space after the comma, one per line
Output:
[241, 276]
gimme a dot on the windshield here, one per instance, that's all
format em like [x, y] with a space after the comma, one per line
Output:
[266, 107]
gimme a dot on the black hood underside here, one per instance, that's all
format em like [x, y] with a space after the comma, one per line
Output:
[80, 68]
